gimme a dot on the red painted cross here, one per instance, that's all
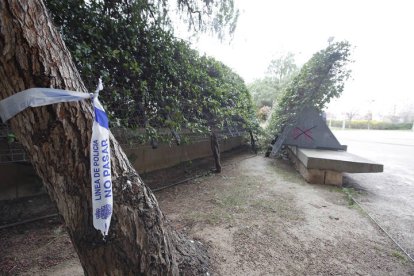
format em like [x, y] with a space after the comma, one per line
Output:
[306, 132]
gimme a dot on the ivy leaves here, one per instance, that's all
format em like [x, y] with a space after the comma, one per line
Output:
[152, 79]
[319, 80]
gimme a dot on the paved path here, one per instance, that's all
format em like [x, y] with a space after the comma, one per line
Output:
[388, 196]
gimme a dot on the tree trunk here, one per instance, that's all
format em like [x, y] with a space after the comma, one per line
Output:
[215, 148]
[270, 147]
[253, 141]
[56, 139]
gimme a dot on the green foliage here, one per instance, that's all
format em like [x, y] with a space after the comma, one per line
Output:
[400, 256]
[350, 193]
[319, 80]
[152, 80]
[365, 124]
[215, 16]
[264, 91]
[11, 138]
[267, 91]
[282, 68]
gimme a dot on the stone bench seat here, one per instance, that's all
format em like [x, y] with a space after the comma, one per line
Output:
[326, 166]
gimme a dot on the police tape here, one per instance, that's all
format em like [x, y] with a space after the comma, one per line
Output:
[100, 153]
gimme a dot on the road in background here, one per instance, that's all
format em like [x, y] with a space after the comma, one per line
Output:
[387, 196]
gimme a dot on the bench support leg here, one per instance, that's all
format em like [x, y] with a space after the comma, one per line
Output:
[315, 176]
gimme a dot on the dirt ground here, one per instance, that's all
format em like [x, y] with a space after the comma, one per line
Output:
[258, 217]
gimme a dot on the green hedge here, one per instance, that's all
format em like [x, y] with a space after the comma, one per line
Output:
[363, 124]
[152, 79]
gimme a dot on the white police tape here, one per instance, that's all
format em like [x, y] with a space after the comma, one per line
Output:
[34, 97]
[100, 153]
[101, 169]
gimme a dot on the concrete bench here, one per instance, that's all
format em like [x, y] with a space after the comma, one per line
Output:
[326, 166]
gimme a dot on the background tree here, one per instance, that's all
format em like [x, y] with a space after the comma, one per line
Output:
[282, 68]
[56, 139]
[264, 92]
[267, 91]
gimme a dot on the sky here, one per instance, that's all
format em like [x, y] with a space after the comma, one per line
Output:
[381, 32]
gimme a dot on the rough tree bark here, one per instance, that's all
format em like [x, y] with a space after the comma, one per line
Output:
[215, 148]
[253, 141]
[56, 138]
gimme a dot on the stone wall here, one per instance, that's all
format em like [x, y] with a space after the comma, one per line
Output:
[20, 180]
[146, 159]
